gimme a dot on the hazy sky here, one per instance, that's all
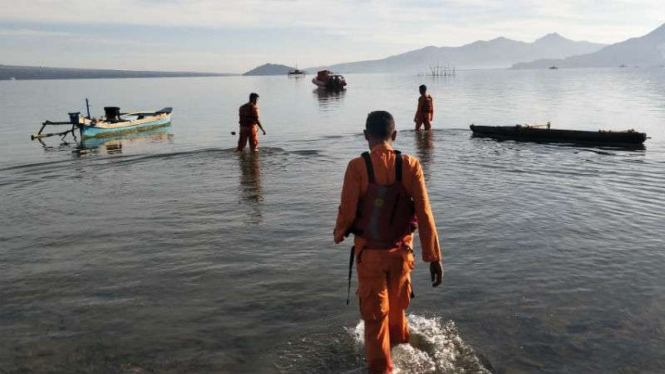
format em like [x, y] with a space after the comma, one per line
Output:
[237, 35]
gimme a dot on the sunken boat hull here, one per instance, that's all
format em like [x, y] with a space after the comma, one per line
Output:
[535, 134]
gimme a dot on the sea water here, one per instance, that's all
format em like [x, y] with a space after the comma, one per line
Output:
[169, 252]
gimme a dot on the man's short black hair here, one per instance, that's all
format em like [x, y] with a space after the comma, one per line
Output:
[380, 124]
[422, 88]
[253, 96]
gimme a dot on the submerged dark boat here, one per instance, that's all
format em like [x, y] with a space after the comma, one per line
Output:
[547, 134]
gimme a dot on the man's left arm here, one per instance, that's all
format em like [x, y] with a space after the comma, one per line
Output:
[431, 114]
[429, 238]
[258, 122]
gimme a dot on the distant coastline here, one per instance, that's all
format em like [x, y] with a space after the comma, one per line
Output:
[12, 72]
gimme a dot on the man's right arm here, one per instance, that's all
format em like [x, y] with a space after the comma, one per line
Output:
[418, 108]
[431, 108]
[349, 203]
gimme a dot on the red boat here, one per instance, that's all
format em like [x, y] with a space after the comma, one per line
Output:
[328, 79]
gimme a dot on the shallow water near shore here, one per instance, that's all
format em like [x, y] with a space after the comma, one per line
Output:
[168, 252]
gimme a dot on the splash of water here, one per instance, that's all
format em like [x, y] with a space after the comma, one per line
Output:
[434, 348]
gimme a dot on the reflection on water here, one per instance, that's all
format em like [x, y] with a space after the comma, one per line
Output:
[424, 148]
[329, 97]
[64, 144]
[110, 145]
[115, 144]
[251, 191]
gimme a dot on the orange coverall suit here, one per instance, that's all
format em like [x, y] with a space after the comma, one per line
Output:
[424, 112]
[249, 115]
[384, 282]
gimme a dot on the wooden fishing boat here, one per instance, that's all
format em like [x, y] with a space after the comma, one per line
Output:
[113, 123]
[544, 133]
[116, 123]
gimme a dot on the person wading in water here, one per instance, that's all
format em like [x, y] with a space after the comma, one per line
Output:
[249, 119]
[425, 111]
[383, 199]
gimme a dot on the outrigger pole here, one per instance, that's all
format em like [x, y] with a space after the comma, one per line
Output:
[39, 135]
[73, 120]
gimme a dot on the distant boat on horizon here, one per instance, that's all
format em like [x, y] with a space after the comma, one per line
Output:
[296, 72]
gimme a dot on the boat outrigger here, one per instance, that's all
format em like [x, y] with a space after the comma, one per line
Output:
[544, 133]
[111, 124]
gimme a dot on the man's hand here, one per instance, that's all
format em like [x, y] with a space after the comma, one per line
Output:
[436, 271]
[338, 238]
[264, 131]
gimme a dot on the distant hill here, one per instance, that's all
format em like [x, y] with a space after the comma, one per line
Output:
[648, 50]
[39, 72]
[496, 53]
[270, 69]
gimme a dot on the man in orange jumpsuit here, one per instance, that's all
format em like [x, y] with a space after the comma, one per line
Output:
[384, 282]
[249, 119]
[425, 111]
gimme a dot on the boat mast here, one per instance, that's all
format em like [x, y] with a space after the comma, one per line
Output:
[87, 106]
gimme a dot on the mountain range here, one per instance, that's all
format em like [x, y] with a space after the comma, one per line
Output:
[645, 51]
[496, 53]
[550, 50]
[41, 72]
[270, 69]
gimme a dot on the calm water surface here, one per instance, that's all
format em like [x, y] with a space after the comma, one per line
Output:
[170, 253]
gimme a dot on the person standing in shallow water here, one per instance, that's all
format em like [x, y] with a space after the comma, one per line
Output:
[249, 120]
[425, 111]
[383, 198]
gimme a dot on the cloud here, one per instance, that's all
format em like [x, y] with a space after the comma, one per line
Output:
[313, 32]
[391, 21]
[30, 32]
[75, 37]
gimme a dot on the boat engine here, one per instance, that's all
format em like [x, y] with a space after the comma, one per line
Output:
[74, 117]
[112, 113]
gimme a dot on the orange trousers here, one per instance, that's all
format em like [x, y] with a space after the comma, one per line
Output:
[250, 134]
[423, 119]
[384, 290]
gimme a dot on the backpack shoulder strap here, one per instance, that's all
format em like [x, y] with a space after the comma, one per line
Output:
[398, 166]
[370, 168]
